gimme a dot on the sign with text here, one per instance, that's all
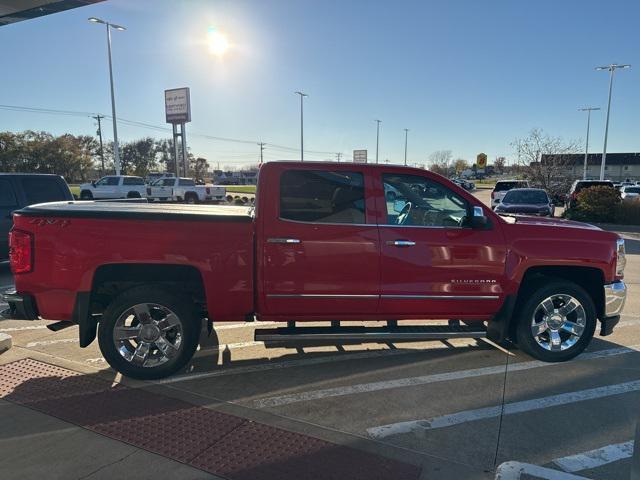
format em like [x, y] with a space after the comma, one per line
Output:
[359, 156]
[481, 160]
[177, 105]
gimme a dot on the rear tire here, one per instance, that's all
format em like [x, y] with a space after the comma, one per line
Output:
[556, 322]
[148, 332]
[134, 195]
[191, 198]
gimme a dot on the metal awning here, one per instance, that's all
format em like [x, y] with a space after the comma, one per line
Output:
[12, 11]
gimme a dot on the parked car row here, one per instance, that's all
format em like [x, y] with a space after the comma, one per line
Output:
[170, 188]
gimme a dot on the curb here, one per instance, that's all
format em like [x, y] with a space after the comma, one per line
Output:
[5, 342]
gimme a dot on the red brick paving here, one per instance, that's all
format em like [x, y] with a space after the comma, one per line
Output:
[224, 445]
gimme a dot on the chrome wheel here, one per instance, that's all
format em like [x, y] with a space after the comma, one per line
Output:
[558, 322]
[148, 335]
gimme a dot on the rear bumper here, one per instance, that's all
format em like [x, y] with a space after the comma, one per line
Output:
[22, 306]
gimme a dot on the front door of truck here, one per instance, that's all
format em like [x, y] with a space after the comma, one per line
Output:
[433, 263]
[320, 256]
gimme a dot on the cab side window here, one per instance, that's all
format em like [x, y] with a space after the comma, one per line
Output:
[412, 200]
[319, 196]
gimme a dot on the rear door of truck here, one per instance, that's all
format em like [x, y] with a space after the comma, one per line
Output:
[319, 242]
[8, 203]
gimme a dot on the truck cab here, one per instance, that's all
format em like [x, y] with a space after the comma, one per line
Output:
[114, 187]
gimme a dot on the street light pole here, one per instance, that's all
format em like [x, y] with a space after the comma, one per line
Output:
[377, 138]
[302, 95]
[406, 133]
[612, 68]
[586, 147]
[116, 149]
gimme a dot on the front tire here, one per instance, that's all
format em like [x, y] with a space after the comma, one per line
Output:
[86, 195]
[556, 322]
[148, 332]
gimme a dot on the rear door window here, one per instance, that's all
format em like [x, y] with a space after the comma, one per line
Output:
[7, 195]
[186, 182]
[43, 189]
[133, 181]
[321, 196]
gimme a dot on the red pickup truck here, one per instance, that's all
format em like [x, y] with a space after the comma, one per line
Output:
[326, 242]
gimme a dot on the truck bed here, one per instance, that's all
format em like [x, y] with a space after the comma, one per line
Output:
[139, 211]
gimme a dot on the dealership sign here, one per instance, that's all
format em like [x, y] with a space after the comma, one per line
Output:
[177, 105]
[359, 156]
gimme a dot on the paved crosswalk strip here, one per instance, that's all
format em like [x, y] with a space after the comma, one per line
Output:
[596, 458]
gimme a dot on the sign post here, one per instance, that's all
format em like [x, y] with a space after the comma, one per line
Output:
[177, 107]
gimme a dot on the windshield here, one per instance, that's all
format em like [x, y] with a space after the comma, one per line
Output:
[504, 186]
[526, 197]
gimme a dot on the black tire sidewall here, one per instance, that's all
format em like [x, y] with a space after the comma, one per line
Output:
[181, 306]
[86, 195]
[523, 333]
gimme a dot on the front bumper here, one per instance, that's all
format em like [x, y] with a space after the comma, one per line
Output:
[22, 307]
[615, 294]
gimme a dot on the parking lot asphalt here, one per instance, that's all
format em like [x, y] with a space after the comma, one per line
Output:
[456, 409]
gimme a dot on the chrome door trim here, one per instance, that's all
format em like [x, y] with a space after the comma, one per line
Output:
[441, 297]
[283, 240]
[317, 295]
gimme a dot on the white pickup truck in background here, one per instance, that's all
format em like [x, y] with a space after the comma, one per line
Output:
[180, 189]
[114, 186]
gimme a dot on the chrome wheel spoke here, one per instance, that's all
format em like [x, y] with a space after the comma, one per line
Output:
[143, 314]
[126, 333]
[168, 322]
[569, 307]
[140, 354]
[166, 347]
[573, 328]
[539, 328]
[547, 306]
[555, 341]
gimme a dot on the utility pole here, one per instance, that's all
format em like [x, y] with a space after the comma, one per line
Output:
[612, 68]
[406, 134]
[262, 144]
[302, 95]
[99, 117]
[377, 138]
[338, 156]
[586, 148]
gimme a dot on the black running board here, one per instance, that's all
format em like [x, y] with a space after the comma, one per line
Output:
[366, 334]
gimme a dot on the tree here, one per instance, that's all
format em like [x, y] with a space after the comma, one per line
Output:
[138, 157]
[460, 165]
[550, 174]
[499, 164]
[440, 161]
[200, 168]
[164, 154]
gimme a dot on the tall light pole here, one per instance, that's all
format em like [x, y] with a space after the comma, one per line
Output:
[377, 138]
[406, 134]
[302, 95]
[116, 150]
[612, 68]
[586, 147]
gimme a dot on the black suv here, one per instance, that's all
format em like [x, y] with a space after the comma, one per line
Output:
[19, 190]
[578, 185]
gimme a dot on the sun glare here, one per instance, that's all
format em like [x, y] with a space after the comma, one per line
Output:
[218, 43]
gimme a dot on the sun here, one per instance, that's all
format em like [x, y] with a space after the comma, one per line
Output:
[217, 41]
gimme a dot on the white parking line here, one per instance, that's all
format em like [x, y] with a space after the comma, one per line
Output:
[50, 342]
[19, 329]
[426, 379]
[509, 409]
[596, 458]
[515, 471]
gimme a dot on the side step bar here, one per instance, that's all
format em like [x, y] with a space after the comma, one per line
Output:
[367, 334]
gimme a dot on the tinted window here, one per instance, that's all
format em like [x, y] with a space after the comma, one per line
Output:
[504, 186]
[43, 189]
[186, 182]
[321, 196]
[133, 181]
[526, 197]
[111, 181]
[7, 197]
[418, 201]
[632, 190]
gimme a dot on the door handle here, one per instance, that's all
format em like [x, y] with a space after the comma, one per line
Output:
[283, 240]
[401, 243]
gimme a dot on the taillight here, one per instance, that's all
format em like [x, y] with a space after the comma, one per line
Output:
[493, 195]
[208, 191]
[20, 251]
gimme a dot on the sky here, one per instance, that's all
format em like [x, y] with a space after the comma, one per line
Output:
[467, 76]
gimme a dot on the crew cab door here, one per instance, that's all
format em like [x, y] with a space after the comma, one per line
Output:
[320, 255]
[433, 263]
[106, 187]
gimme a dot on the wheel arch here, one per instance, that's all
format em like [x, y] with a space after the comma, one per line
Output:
[112, 279]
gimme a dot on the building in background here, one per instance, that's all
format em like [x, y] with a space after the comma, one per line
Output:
[619, 166]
